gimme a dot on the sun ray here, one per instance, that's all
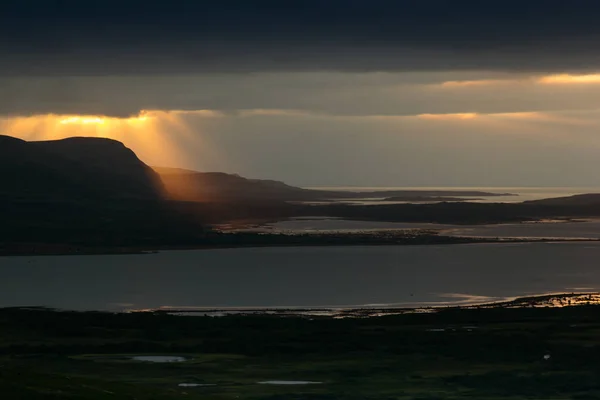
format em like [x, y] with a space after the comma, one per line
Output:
[83, 120]
[155, 141]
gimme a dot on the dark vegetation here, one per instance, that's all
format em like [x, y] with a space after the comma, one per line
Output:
[482, 353]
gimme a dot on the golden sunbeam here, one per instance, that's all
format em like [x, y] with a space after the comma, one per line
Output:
[83, 120]
[155, 139]
[568, 78]
[184, 124]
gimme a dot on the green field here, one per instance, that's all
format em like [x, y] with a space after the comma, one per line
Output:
[487, 353]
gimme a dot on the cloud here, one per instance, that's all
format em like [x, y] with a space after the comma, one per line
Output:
[317, 93]
[272, 112]
[136, 37]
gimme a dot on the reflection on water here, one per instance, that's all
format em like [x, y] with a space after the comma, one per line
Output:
[523, 193]
[575, 230]
[302, 277]
[159, 359]
[196, 384]
[560, 300]
[586, 229]
[319, 224]
[288, 383]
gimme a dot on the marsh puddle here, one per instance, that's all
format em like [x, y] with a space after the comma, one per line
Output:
[196, 384]
[159, 359]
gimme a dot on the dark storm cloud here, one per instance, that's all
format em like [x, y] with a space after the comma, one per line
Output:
[146, 37]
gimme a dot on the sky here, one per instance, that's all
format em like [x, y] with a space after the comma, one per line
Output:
[317, 93]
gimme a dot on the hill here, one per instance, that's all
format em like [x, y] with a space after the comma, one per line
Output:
[190, 185]
[589, 199]
[74, 168]
[206, 187]
[83, 191]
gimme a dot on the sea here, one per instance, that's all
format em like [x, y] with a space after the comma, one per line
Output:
[301, 277]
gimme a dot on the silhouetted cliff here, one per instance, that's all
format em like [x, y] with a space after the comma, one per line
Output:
[74, 168]
[88, 191]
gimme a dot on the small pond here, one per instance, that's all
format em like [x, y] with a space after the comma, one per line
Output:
[159, 359]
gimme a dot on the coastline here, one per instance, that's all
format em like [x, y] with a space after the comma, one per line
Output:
[314, 240]
[551, 300]
[554, 300]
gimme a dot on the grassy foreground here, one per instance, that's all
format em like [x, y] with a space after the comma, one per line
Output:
[486, 353]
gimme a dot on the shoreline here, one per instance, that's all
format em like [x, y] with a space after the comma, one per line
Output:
[554, 300]
[548, 300]
[417, 240]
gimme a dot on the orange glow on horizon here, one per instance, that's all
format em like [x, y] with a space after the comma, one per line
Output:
[564, 79]
[99, 120]
[568, 78]
[520, 118]
[83, 120]
[154, 136]
[484, 82]
[454, 116]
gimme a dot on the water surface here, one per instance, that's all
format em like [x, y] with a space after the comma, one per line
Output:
[523, 193]
[300, 276]
[554, 229]
[159, 359]
[289, 383]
